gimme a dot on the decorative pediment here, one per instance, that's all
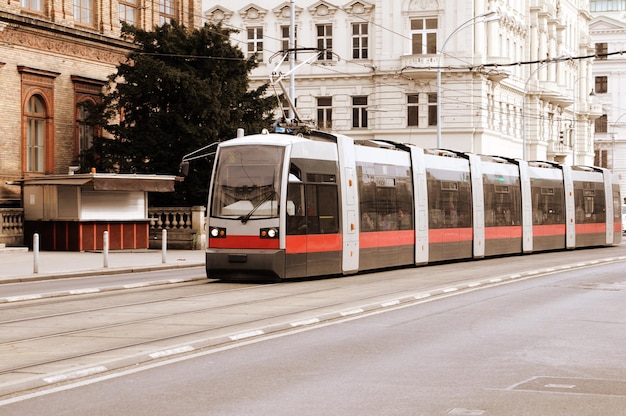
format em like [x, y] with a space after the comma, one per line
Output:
[421, 5]
[358, 7]
[604, 23]
[252, 12]
[218, 14]
[322, 9]
[284, 11]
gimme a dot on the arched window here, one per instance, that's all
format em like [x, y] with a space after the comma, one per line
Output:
[35, 134]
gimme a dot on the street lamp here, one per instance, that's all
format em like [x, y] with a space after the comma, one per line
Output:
[486, 16]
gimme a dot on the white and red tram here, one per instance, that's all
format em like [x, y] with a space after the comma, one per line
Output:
[284, 206]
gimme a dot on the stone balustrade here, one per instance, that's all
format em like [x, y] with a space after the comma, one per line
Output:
[11, 226]
[185, 227]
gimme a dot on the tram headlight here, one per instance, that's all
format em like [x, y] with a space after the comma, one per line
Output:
[217, 232]
[269, 233]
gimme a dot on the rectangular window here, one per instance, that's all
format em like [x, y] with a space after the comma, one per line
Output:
[167, 11]
[285, 40]
[85, 130]
[325, 112]
[128, 11]
[35, 146]
[360, 41]
[325, 40]
[607, 5]
[602, 124]
[432, 109]
[359, 112]
[33, 5]
[602, 85]
[83, 11]
[601, 50]
[413, 110]
[255, 42]
[424, 36]
[601, 158]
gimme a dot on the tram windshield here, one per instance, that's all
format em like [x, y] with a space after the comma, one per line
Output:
[247, 182]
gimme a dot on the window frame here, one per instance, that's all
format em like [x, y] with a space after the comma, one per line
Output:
[324, 40]
[424, 39]
[41, 83]
[413, 112]
[601, 124]
[601, 84]
[601, 49]
[325, 112]
[84, 12]
[167, 10]
[360, 40]
[254, 42]
[359, 112]
[28, 5]
[126, 8]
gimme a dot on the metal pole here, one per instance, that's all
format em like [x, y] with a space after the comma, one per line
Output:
[105, 249]
[292, 56]
[484, 16]
[35, 253]
[164, 246]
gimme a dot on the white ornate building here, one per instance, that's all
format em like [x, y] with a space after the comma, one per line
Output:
[608, 33]
[381, 79]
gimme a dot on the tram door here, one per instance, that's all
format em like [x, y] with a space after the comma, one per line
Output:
[313, 242]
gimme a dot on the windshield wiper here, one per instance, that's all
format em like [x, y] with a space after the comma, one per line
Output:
[244, 218]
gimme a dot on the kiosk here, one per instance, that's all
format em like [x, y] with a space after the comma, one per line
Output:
[71, 212]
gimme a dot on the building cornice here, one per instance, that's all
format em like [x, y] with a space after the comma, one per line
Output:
[46, 36]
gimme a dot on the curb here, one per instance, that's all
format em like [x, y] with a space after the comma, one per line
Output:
[134, 269]
[97, 272]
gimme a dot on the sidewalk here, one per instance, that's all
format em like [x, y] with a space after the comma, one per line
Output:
[18, 264]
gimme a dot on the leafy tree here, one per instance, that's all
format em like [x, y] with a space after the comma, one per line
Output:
[180, 90]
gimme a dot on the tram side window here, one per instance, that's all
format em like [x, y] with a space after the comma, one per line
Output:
[449, 203]
[589, 205]
[502, 202]
[386, 197]
[548, 205]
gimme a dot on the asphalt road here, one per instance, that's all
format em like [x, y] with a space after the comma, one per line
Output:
[550, 345]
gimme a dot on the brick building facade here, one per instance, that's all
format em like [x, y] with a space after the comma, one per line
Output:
[53, 55]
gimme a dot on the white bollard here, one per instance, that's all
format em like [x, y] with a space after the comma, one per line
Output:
[164, 246]
[105, 249]
[35, 253]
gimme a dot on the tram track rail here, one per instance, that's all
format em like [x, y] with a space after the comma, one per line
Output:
[92, 331]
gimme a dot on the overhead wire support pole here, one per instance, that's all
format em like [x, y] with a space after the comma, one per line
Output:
[292, 57]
